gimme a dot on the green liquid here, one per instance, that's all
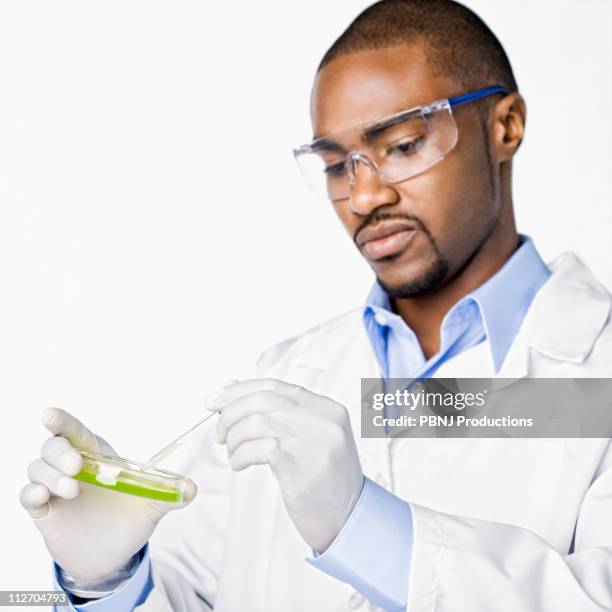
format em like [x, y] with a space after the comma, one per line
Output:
[141, 489]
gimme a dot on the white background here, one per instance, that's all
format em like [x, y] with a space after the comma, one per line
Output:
[155, 235]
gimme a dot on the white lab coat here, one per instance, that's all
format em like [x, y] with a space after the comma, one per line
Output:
[493, 518]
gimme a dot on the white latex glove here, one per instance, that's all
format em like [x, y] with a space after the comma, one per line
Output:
[90, 532]
[307, 441]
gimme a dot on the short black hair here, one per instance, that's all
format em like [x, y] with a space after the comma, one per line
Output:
[457, 42]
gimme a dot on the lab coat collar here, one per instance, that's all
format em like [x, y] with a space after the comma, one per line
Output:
[568, 314]
[563, 322]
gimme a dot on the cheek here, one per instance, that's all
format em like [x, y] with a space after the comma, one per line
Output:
[454, 202]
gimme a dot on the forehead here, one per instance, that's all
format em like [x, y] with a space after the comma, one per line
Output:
[363, 86]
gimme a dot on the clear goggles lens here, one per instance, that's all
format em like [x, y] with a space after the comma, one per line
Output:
[397, 148]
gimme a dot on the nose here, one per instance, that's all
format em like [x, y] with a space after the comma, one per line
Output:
[368, 190]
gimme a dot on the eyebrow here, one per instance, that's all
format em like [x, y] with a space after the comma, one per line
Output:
[325, 144]
[375, 131]
[370, 134]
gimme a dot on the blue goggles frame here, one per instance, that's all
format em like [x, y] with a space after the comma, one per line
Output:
[476, 95]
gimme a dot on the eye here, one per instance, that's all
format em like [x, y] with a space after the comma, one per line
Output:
[335, 170]
[405, 148]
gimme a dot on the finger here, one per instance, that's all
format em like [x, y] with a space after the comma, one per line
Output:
[241, 388]
[62, 423]
[256, 426]
[59, 453]
[34, 498]
[58, 483]
[257, 402]
[254, 452]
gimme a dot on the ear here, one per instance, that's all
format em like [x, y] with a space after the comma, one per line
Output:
[507, 126]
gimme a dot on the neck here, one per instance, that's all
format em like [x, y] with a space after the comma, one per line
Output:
[424, 313]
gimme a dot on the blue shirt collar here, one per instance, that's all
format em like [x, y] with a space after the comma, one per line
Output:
[378, 298]
[502, 300]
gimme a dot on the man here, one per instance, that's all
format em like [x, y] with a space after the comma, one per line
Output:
[417, 524]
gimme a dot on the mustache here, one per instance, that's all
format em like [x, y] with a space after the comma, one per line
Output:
[378, 216]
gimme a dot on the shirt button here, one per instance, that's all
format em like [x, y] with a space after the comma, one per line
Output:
[380, 318]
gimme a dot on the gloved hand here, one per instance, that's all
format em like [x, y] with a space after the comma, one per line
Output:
[90, 532]
[307, 441]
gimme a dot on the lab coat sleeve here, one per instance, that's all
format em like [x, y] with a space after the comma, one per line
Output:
[465, 564]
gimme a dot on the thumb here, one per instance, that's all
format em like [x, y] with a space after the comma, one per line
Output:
[62, 423]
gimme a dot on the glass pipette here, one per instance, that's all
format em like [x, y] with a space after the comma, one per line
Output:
[170, 448]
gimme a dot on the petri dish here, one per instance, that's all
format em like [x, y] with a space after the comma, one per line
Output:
[132, 478]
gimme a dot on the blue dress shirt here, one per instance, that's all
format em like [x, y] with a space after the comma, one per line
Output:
[373, 550]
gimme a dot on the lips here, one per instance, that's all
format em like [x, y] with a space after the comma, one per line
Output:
[385, 239]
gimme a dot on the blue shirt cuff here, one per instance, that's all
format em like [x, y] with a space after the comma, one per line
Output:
[131, 594]
[373, 550]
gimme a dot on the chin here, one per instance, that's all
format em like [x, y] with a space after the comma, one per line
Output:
[420, 282]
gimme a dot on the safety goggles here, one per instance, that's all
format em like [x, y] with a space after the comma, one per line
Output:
[397, 147]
